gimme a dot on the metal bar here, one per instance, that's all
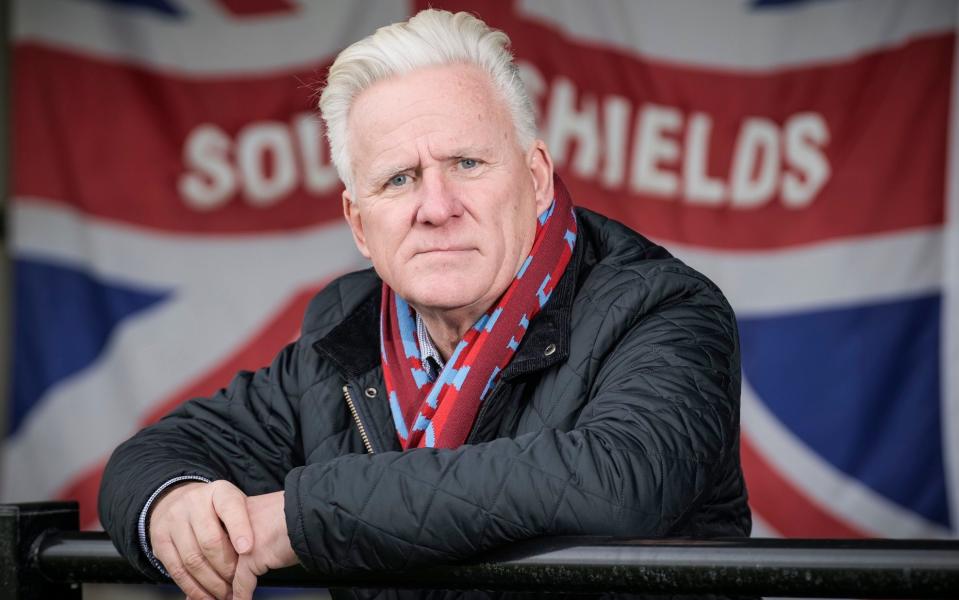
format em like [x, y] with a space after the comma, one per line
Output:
[21, 526]
[769, 567]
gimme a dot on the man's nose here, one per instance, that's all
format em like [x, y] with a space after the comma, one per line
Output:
[439, 200]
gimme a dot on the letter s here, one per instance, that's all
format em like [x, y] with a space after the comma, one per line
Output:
[806, 135]
[211, 180]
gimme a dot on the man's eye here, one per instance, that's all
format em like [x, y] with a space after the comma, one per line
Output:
[398, 180]
[469, 163]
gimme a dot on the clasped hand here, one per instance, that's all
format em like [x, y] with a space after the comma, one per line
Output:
[215, 541]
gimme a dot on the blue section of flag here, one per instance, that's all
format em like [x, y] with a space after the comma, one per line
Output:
[162, 7]
[64, 318]
[861, 387]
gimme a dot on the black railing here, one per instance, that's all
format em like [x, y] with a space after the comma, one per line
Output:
[42, 555]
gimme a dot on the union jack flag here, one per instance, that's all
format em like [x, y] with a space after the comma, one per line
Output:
[174, 208]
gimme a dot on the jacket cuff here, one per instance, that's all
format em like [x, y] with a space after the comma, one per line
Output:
[295, 527]
[143, 524]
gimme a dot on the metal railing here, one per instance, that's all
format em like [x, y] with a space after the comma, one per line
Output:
[42, 555]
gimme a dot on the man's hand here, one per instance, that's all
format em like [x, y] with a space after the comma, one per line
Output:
[272, 549]
[197, 530]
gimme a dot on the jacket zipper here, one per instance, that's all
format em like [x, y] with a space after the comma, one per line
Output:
[356, 417]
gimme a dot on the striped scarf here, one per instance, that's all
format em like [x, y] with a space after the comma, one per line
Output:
[440, 414]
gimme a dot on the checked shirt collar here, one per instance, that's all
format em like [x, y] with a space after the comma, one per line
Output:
[432, 360]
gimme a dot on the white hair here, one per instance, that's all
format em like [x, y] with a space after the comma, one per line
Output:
[430, 38]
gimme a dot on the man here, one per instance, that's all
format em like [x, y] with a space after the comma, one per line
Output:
[510, 368]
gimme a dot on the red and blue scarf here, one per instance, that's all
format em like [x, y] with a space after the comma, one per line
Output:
[440, 414]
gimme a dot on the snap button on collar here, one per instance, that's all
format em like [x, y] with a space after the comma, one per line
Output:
[551, 349]
[370, 392]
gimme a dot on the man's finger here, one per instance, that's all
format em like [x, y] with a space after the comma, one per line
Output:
[230, 505]
[215, 545]
[192, 560]
[244, 582]
[167, 554]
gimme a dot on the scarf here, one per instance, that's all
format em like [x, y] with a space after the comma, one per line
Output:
[440, 414]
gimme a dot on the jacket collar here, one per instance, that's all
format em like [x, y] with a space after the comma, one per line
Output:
[349, 345]
[353, 345]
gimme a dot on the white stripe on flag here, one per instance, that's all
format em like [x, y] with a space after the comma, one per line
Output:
[762, 529]
[155, 259]
[868, 270]
[729, 34]
[205, 40]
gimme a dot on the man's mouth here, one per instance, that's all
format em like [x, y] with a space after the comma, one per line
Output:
[455, 250]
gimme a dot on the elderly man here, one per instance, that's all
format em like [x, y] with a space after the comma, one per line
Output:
[511, 366]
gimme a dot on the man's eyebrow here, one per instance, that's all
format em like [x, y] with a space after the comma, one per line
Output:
[387, 170]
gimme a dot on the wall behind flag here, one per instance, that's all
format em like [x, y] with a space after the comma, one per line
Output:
[173, 207]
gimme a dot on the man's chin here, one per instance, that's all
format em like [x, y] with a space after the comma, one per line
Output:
[444, 296]
[442, 302]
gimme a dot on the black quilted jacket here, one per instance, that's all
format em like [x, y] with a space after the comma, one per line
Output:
[618, 415]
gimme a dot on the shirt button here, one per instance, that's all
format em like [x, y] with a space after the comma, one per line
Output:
[370, 392]
[550, 350]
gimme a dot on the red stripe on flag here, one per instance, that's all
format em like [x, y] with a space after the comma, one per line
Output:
[784, 505]
[84, 490]
[257, 8]
[259, 351]
[225, 154]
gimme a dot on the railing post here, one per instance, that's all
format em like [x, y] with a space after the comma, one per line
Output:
[20, 529]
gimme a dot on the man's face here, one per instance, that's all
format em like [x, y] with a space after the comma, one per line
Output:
[446, 200]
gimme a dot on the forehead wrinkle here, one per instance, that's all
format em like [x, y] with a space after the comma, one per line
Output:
[393, 159]
[470, 151]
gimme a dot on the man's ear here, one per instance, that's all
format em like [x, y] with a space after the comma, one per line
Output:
[352, 214]
[540, 165]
